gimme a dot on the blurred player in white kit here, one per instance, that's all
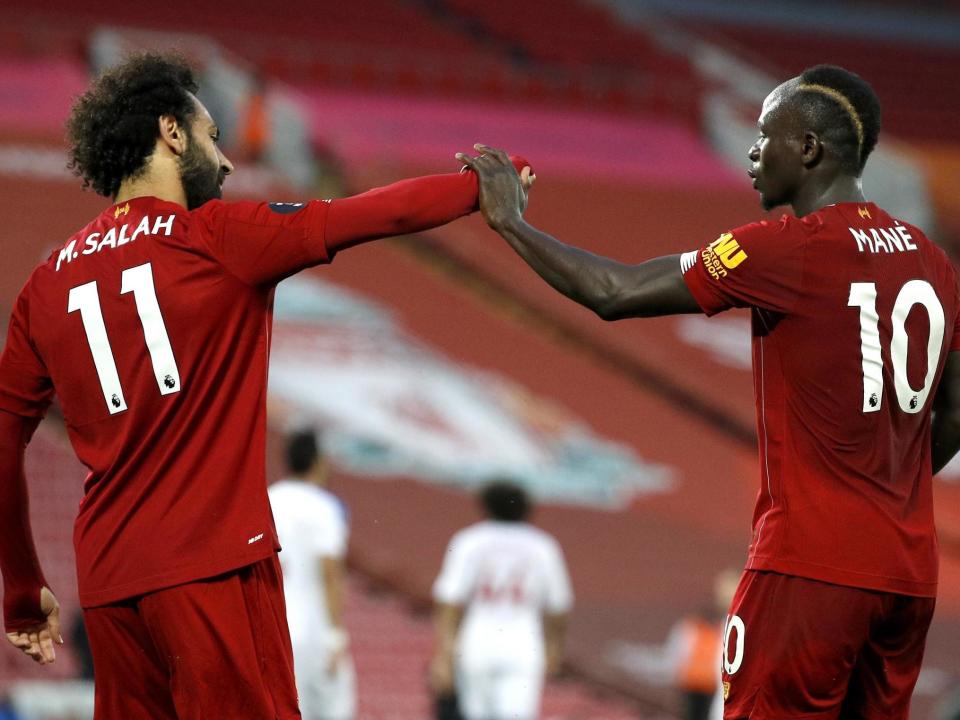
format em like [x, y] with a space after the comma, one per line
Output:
[502, 600]
[313, 529]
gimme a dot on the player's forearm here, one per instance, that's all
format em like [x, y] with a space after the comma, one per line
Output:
[403, 207]
[333, 589]
[585, 278]
[945, 438]
[554, 635]
[22, 576]
[613, 290]
[945, 426]
[447, 624]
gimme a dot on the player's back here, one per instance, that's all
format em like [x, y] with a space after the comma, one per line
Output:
[159, 356]
[514, 573]
[846, 366]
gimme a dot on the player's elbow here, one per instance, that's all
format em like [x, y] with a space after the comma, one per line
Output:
[607, 300]
[615, 304]
[607, 310]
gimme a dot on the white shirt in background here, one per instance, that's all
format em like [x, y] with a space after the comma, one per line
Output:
[506, 575]
[312, 524]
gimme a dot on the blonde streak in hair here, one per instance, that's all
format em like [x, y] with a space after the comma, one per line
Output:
[845, 104]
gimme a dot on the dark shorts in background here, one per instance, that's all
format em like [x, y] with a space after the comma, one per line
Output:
[215, 648]
[799, 648]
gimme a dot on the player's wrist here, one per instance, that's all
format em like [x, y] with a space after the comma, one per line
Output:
[22, 608]
[506, 222]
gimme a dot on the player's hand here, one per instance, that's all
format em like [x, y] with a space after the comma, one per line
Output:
[503, 192]
[441, 674]
[38, 642]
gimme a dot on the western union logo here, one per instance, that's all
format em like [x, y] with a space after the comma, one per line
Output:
[864, 213]
[728, 250]
[121, 211]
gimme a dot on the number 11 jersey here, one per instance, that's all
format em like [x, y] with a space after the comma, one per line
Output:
[152, 325]
[853, 314]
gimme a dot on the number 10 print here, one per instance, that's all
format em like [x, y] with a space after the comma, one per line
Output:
[915, 292]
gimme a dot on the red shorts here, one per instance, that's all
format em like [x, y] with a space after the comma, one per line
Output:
[215, 648]
[796, 648]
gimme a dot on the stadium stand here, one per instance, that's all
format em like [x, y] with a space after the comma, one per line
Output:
[914, 112]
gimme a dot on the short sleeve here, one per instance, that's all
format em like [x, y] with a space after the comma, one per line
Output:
[758, 265]
[454, 584]
[263, 243]
[25, 385]
[559, 595]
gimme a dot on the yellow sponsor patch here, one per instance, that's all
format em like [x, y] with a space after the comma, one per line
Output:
[729, 251]
[721, 255]
[726, 690]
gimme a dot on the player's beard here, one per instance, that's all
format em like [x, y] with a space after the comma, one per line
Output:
[201, 178]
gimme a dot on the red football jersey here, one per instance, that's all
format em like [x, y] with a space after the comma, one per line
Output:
[153, 324]
[853, 313]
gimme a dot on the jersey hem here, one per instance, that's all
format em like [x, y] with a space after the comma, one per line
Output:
[192, 573]
[847, 578]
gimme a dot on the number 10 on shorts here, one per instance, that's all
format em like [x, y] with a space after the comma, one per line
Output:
[734, 630]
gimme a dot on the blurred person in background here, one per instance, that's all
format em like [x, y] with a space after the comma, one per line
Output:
[313, 528]
[693, 654]
[693, 650]
[152, 326]
[502, 601]
[855, 320]
[7, 711]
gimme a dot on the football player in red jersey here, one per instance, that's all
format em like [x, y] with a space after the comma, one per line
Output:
[152, 326]
[855, 321]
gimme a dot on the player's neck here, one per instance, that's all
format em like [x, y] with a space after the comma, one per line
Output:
[841, 189]
[160, 180]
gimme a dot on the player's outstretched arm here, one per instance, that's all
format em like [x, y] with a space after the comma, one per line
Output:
[31, 612]
[945, 431]
[611, 289]
[262, 243]
[407, 206]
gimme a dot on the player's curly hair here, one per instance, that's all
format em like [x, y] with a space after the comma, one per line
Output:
[844, 110]
[112, 128]
[504, 500]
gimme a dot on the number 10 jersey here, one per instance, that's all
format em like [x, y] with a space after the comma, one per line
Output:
[853, 314]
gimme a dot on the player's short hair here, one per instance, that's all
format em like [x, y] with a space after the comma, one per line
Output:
[112, 129]
[505, 500]
[302, 451]
[844, 110]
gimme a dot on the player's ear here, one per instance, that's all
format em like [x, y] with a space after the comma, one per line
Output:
[811, 149]
[173, 134]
